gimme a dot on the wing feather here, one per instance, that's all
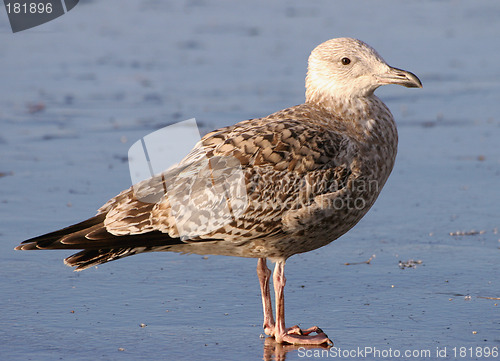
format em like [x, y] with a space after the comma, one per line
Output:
[287, 159]
[260, 179]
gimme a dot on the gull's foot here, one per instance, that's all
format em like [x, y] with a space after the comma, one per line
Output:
[296, 336]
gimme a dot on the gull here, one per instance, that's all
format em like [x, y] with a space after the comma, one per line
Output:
[305, 175]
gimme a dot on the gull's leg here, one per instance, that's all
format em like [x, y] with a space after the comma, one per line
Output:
[293, 335]
[264, 275]
[279, 282]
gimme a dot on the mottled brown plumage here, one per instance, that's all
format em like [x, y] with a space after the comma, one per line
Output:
[308, 174]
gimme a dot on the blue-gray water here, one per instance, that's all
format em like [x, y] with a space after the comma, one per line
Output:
[109, 72]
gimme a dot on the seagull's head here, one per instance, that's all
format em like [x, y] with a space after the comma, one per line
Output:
[348, 68]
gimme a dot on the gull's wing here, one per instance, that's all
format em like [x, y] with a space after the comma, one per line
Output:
[283, 163]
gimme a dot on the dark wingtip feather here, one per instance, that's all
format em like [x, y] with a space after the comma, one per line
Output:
[97, 244]
[52, 240]
[26, 247]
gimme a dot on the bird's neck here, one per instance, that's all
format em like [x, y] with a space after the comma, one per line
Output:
[367, 116]
[346, 108]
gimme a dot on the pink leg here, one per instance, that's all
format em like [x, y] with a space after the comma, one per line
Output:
[279, 282]
[293, 335]
[264, 275]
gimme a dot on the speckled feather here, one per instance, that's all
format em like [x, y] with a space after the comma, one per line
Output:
[304, 168]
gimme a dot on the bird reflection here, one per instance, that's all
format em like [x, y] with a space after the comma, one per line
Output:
[274, 351]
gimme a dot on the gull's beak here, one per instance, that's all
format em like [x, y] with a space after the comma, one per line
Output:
[401, 77]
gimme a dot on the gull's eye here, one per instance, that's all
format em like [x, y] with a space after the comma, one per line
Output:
[345, 61]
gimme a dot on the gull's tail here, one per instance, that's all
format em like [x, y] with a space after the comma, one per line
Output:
[97, 244]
